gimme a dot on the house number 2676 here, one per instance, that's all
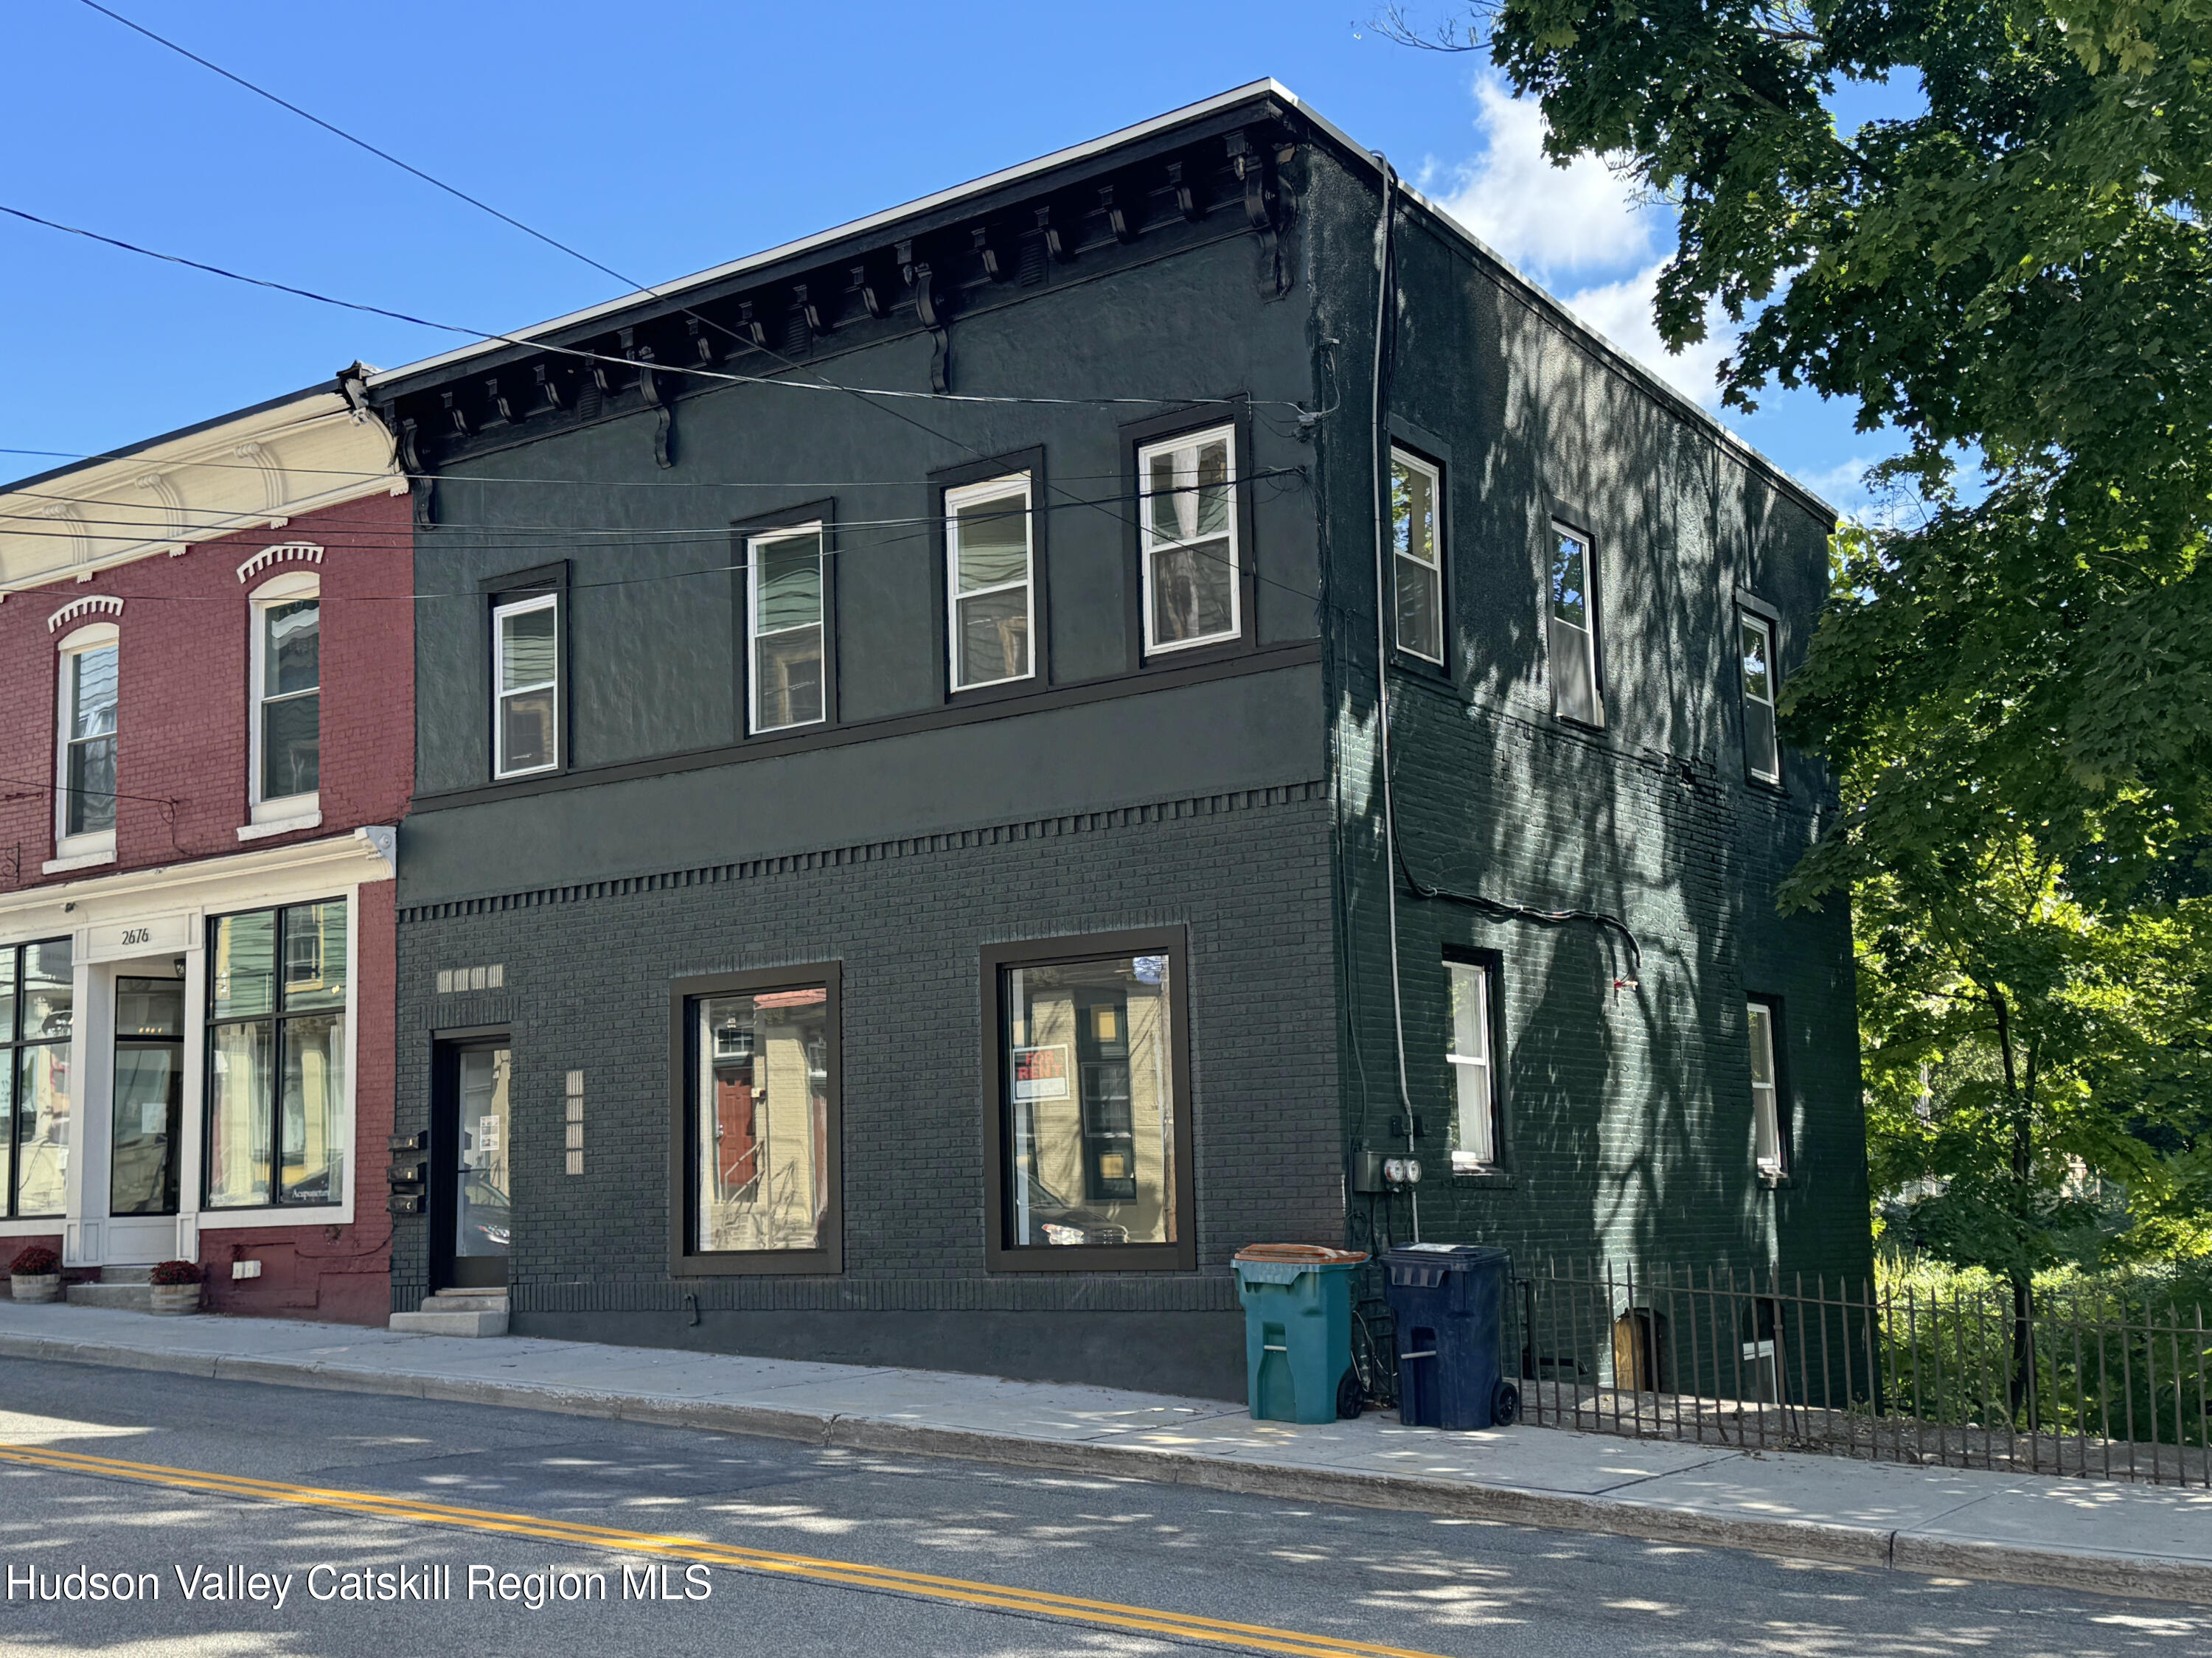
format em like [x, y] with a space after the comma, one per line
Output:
[137, 935]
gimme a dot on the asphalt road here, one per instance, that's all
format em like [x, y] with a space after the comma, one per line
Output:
[830, 1525]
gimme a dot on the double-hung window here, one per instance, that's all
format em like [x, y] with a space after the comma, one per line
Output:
[37, 984]
[1474, 1082]
[277, 1093]
[1572, 627]
[287, 701]
[85, 814]
[1769, 1148]
[525, 637]
[1762, 754]
[1187, 503]
[1416, 564]
[990, 585]
[783, 625]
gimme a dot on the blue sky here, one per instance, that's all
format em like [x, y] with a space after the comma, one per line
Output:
[660, 139]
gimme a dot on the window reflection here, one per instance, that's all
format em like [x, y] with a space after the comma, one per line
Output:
[761, 1120]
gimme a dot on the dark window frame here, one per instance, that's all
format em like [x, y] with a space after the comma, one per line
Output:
[942, 482]
[12, 1044]
[742, 531]
[1000, 1256]
[1562, 515]
[1433, 452]
[685, 1259]
[1493, 961]
[276, 1016]
[1750, 604]
[514, 587]
[1236, 413]
[1786, 1105]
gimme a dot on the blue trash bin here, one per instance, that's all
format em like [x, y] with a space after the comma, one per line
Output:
[1297, 1331]
[1449, 1303]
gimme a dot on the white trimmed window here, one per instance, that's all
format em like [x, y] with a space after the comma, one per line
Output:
[989, 582]
[1767, 1148]
[1415, 565]
[1572, 627]
[1762, 753]
[1475, 1082]
[84, 790]
[525, 676]
[783, 627]
[1186, 502]
[288, 683]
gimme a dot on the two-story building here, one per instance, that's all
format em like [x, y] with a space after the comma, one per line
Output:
[970, 765]
[206, 640]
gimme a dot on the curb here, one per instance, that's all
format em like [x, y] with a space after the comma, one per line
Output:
[2141, 1576]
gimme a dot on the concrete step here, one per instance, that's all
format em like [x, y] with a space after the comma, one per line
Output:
[126, 1275]
[466, 1301]
[137, 1297]
[482, 1322]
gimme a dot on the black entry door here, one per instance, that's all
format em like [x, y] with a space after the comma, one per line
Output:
[472, 1212]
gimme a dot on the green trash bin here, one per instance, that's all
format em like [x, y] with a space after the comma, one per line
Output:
[1297, 1331]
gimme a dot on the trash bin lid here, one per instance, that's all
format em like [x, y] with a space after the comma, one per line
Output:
[1451, 1257]
[1305, 1254]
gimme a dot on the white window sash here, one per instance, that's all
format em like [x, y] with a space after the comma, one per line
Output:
[1474, 1145]
[1154, 544]
[755, 633]
[286, 804]
[501, 691]
[1767, 1151]
[1754, 699]
[1432, 568]
[89, 842]
[968, 496]
[1585, 630]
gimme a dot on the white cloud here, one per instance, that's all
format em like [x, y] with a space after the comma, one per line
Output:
[1622, 310]
[1549, 219]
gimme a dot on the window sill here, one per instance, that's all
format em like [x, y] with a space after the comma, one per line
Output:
[78, 860]
[263, 829]
[1489, 1176]
[1772, 786]
[1769, 1179]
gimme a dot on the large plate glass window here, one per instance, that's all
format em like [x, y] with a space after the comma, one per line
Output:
[1474, 1084]
[527, 680]
[1762, 755]
[287, 682]
[89, 700]
[1768, 1148]
[1415, 565]
[761, 1120]
[989, 582]
[1187, 499]
[36, 1016]
[1090, 1097]
[1572, 620]
[783, 611]
[277, 1095]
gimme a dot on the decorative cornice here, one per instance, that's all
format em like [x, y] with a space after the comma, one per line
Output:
[105, 603]
[272, 475]
[282, 551]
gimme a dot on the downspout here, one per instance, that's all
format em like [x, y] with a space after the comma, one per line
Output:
[1379, 455]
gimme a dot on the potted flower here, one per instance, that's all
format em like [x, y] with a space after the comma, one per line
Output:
[176, 1286]
[36, 1274]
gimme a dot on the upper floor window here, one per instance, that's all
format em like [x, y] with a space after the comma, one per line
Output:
[991, 586]
[85, 818]
[526, 685]
[1187, 511]
[1768, 1148]
[1573, 628]
[1762, 755]
[783, 620]
[286, 736]
[1415, 565]
[1474, 1084]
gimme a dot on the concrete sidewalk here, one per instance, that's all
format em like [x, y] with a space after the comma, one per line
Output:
[2107, 1537]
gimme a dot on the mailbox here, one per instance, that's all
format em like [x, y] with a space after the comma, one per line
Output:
[419, 1141]
[413, 1172]
[404, 1203]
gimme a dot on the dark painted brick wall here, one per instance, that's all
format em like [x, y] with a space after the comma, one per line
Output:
[588, 971]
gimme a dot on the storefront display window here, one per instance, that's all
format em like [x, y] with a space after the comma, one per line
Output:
[277, 1130]
[759, 1121]
[1094, 1148]
[36, 1016]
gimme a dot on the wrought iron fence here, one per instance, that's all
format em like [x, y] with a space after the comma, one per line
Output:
[2103, 1382]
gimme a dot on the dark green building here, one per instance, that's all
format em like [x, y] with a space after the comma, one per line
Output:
[903, 870]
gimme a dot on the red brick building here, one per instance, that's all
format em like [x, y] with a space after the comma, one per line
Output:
[207, 642]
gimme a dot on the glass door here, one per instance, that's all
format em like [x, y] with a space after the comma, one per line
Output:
[149, 1094]
[472, 1146]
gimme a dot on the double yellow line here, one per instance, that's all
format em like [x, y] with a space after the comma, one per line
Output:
[1258, 1637]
